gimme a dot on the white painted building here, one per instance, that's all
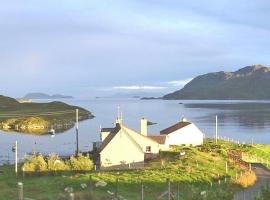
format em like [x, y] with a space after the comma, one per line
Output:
[122, 145]
[183, 133]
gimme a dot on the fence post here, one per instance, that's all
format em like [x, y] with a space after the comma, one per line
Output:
[226, 165]
[23, 172]
[71, 196]
[20, 190]
[116, 188]
[142, 191]
[178, 194]
[90, 184]
[169, 189]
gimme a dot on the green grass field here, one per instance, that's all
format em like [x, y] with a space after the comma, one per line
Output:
[201, 169]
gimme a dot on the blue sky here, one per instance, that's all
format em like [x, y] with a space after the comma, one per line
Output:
[93, 48]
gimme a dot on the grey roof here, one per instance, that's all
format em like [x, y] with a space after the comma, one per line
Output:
[174, 127]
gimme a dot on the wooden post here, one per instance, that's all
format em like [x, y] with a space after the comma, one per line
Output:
[23, 172]
[216, 128]
[142, 191]
[250, 167]
[178, 192]
[16, 157]
[169, 189]
[90, 184]
[226, 165]
[71, 196]
[20, 191]
[116, 188]
[77, 132]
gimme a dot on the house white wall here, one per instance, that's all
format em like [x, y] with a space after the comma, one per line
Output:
[143, 141]
[121, 150]
[188, 135]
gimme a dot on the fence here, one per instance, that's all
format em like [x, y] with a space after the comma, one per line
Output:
[255, 159]
[166, 190]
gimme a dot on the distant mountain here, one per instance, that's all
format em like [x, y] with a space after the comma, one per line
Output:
[248, 83]
[46, 96]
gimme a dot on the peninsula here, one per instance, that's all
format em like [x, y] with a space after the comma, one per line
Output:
[38, 118]
[248, 83]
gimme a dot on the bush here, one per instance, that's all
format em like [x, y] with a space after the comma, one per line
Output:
[80, 163]
[35, 164]
[247, 179]
[56, 164]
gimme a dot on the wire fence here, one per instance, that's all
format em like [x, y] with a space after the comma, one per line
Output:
[164, 190]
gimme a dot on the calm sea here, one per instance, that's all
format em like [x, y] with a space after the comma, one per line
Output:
[240, 120]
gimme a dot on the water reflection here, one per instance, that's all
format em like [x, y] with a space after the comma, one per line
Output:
[246, 115]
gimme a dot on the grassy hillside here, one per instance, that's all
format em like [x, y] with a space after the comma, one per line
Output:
[250, 82]
[200, 174]
[38, 118]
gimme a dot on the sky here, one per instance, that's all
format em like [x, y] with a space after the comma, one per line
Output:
[90, 48]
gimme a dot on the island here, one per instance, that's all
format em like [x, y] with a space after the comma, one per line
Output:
[38, 95]
[38, 118]
[249, 83]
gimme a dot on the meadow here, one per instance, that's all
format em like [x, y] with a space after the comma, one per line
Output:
[204, 172]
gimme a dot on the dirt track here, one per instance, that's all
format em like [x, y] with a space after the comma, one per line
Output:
[263, 177]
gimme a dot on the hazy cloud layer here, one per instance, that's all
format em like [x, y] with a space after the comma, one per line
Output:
[79, 47]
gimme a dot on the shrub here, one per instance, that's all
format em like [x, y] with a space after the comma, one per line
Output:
[35, 164]
[56, 164]
[80, 163]
[247, 179]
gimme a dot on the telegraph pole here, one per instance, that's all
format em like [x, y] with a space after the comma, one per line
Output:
[77, 132]
[16, 157]
[216, 129]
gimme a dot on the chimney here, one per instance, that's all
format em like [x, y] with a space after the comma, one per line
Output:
[144, 126]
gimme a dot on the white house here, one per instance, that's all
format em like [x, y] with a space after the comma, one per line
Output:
[122, 145]
[183, 133]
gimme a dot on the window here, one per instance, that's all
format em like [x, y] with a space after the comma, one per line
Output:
[148, 149]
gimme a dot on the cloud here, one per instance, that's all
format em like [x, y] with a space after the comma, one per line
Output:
[138, 87]
[179, 83]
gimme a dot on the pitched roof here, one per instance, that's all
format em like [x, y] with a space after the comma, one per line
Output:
[174, 127]
[107, 140]
[158, 138]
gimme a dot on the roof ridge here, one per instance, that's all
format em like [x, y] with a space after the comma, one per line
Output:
[134, 141]
[146, 137]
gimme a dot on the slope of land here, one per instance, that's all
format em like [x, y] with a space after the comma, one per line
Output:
[251, 82]
[38, 118]
[46, 96]
[199, 174]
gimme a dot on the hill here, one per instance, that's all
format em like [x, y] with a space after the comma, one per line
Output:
[38, 118]
[248, 83]
[46, 96]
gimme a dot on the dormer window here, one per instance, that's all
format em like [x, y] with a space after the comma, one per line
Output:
[148, 149]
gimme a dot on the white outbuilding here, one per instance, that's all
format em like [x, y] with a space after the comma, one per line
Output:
[183, 133]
